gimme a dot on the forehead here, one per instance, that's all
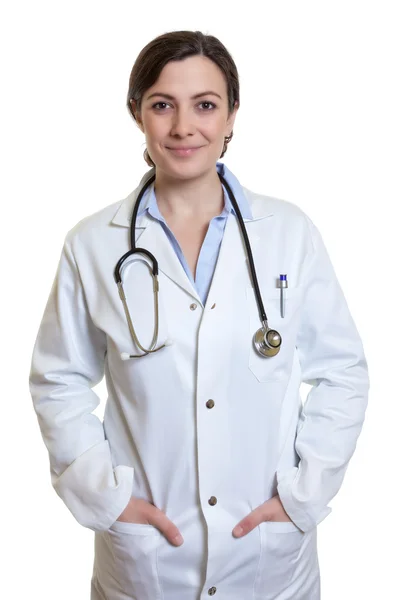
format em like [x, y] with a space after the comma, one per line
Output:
[190, 75]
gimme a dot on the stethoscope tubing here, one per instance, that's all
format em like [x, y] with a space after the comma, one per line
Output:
[266, 341]
[246, 241]
[155, 268]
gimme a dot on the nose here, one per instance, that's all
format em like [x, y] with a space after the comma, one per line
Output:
[182, 123]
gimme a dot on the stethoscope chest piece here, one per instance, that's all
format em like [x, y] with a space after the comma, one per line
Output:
[267, 342]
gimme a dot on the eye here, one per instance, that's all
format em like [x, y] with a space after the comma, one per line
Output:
[157, 103]
[165, 103]
[211, 103]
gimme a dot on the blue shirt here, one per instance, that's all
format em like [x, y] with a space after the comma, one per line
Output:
[210, 248]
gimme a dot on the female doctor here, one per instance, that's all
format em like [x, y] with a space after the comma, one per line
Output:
[205, 305]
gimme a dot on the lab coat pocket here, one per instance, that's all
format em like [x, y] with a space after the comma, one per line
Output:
[134, 548]
[279, 366]
[281, 548]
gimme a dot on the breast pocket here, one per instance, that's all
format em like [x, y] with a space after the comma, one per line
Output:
[279, 366]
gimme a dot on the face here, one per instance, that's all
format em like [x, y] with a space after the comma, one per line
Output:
[187, 107]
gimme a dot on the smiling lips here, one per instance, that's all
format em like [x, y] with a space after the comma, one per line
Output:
[183, 151]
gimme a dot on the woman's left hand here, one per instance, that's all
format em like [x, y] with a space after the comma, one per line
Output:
[271, 510]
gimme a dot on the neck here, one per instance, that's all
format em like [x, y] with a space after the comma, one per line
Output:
[196, 198]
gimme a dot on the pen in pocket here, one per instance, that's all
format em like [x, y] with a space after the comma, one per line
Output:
[283, 283]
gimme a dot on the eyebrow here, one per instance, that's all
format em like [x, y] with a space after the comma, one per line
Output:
[169, 97]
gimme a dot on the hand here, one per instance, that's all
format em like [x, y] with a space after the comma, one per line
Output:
[271, 510]
[143, 512]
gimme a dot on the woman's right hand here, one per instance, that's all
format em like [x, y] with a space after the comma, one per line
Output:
[143, 512]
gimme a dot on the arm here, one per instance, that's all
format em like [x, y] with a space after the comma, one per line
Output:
[67, 361]
[332, 360]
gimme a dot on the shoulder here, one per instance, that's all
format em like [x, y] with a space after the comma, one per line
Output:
[93, 227]
[283, 210]
[294, 226]
[264, 205]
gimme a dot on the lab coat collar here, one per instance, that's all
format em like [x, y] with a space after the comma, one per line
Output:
[252, 206]
[149, 235]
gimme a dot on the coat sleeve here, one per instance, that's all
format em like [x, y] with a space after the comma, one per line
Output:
[67, 361]
[332, 361]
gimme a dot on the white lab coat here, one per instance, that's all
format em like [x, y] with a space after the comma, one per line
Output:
[159, 440]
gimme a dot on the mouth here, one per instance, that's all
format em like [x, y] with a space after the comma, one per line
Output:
[184, 151]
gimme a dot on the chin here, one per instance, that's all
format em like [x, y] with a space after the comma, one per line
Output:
[184, 167]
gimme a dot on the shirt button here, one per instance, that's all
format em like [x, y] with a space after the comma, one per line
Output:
[193, 306]
[212, 501]
[210, 404]
[212, 591]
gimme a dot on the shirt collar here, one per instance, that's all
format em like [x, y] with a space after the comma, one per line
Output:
[148, 202]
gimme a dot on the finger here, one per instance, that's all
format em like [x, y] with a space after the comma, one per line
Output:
[135, 512]
[158, 518]
[257, 516]
[279, 513]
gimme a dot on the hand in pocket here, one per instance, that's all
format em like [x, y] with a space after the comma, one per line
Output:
[143, 512]
[271, 510]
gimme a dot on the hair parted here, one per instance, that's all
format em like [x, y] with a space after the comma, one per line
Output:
[178, 45]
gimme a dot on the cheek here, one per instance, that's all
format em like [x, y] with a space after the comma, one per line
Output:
[213, 132]
[153, 134]
[155, 129]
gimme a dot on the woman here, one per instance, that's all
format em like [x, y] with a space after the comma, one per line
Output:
[207, 433]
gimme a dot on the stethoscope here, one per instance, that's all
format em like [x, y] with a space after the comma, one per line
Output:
[267, 342]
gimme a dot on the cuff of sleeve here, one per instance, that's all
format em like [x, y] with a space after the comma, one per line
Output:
[301, 518]
[95, 493]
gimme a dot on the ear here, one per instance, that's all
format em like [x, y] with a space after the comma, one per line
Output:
[231, 119]
[137, 115]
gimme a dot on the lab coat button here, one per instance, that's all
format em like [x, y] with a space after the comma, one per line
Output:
[212, 501]
[193, 306]
[210, 404]
[212, 591]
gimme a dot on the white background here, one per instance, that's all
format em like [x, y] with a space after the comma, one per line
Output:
[319, 125]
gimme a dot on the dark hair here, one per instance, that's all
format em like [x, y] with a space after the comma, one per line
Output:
[178, 45]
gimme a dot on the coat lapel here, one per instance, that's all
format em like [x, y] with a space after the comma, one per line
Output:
[232, 259]
[152, 237]
[232, 256]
